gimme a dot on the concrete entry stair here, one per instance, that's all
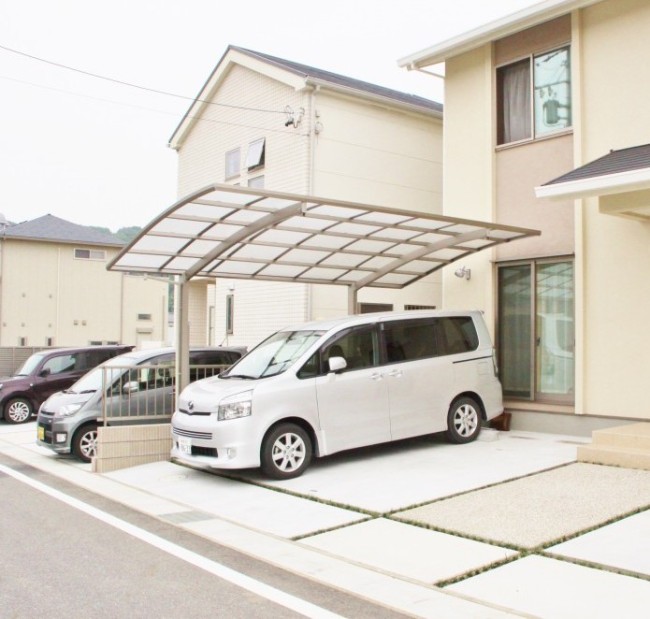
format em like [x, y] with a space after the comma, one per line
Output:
[627, 446]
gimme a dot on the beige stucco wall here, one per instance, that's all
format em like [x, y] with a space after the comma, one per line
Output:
[47, 293]
[616, 250]
[469, 172]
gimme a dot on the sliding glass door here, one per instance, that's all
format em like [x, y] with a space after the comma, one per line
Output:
[536, 330]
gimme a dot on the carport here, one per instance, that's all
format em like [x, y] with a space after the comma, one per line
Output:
[242, 233]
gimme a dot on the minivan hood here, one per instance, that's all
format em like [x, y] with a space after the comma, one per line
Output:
[209, 392]
[57, 400]
[15, 380]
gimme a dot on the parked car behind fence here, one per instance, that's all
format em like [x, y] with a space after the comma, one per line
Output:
[137, 387]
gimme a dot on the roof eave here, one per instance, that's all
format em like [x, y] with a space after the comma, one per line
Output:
[608, 184]
[369, 96]
[505, 26]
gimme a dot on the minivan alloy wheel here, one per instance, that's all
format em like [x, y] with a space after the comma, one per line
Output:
[463, 421]
[286, 452]
[18, 410]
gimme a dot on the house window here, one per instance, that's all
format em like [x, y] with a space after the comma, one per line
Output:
[90, 254]
[534, 96]
[257, 182]
[369, 308]
[536, 330]
[419, 307]
[256, 153]
[230, 314]
[144, 316]
[233, 158]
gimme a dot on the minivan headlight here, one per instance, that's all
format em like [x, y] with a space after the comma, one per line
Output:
[235, 406]
[68, 410]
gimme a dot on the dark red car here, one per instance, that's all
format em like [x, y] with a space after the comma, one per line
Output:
[45, 373]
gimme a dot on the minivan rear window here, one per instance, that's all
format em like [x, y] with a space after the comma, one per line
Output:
[457, 335]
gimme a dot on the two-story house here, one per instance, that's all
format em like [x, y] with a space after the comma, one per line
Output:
[55, 289]
[547, 125]
[265, 122]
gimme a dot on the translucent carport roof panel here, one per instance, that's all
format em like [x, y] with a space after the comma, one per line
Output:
[243, 233]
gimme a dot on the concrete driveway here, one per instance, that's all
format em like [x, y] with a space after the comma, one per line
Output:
[510, 525]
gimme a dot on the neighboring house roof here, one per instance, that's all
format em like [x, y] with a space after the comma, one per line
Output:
[498, 29]
[304, 75]
[311, 74]
[51, 228]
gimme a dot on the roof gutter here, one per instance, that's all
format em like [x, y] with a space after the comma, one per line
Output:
[389, 101]
[505, 26]
[632, 180]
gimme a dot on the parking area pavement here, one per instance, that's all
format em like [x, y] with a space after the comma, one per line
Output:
[510, 525]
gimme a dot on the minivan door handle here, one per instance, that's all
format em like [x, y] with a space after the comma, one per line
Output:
[376, 376]
[395, 373]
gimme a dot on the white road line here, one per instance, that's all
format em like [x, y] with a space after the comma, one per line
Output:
[221, 571]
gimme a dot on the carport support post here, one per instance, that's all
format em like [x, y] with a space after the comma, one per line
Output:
[352, 300]
[182, 334]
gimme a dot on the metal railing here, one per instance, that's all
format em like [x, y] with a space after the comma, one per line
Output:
[144, 393]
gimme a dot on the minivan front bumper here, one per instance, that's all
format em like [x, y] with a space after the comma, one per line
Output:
[202, 441]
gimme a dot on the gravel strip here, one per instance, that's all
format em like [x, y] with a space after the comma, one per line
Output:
[541, 508]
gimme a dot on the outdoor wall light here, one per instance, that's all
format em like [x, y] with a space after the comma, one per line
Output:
[463, 272]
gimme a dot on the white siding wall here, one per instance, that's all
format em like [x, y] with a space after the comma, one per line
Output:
[363, 152]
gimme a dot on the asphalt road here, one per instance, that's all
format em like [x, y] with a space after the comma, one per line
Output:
[65, 552]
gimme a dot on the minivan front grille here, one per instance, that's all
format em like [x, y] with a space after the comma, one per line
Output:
[206, 436]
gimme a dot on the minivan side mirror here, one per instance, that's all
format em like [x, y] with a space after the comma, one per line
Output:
[131, 387]
[337, 364]
[45, 372]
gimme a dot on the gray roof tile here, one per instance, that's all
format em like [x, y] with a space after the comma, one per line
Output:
[50, 228]
[341, 80]
[624, 160]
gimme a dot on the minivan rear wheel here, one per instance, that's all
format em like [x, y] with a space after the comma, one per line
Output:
[463, 420]
[18, 410]
[84, 443]
[286, 451]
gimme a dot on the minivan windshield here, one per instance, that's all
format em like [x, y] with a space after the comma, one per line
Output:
[92, 381]
[274, 355]
[30, 365]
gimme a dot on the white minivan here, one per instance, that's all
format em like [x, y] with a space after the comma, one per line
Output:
[323, 387]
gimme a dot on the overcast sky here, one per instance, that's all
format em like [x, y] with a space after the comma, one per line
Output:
[95, 152]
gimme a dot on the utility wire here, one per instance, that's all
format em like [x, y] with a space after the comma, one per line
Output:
[131, 85]
[143, 108]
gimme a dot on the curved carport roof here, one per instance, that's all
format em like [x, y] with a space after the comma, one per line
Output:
[243, 233]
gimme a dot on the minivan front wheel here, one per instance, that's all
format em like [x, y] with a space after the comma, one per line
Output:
[84, 443]
[18, 410]
[286, 451]
[463, 420]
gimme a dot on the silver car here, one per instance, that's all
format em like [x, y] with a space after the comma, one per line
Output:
[133, 388]
[323, 387]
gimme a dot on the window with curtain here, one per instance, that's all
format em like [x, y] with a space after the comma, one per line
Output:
[534, 96]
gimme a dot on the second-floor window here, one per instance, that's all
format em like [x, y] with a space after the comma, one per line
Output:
[232, 163]
[90, 254]
[534, 96]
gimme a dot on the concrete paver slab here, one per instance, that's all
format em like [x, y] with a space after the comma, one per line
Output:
[540, 508]
[412, 552]
[623, 545]
[251, 506]
[394, 476]
[556, 589]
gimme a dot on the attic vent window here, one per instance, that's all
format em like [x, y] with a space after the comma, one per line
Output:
[90, 254]
[255, 155]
